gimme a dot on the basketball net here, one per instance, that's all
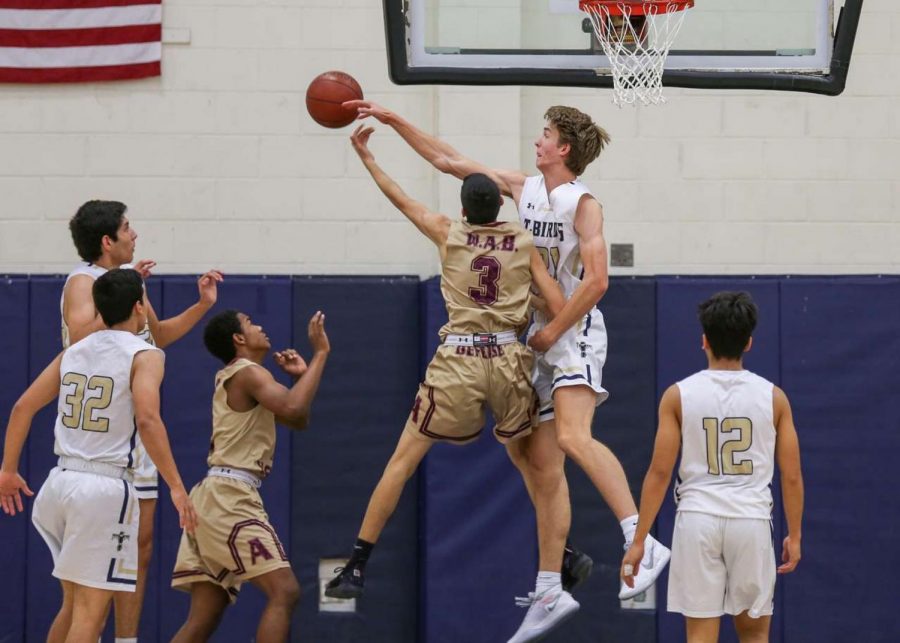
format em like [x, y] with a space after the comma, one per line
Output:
[636, 38]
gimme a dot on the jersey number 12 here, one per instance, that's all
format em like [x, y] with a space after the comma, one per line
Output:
[730, 447]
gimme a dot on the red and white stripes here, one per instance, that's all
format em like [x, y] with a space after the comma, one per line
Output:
[46, 41]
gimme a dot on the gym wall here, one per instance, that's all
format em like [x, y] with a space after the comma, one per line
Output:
[221, 166]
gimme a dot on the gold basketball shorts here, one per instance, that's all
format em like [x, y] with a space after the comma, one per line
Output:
[233, 541]
[461, 381]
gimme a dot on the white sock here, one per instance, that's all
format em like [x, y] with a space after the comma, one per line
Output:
[629, 526]
[130, 640]
[547, 580]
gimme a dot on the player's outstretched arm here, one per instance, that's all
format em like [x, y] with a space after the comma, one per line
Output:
[291, 406]
[551, 293]
[440, 154]
[592, 247]
[665, 452]
[79, 312]
[146, 377]
[787, 452]
[41, 392]
[433, 225]
[169, 331]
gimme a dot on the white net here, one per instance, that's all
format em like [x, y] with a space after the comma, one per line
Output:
[637, 43]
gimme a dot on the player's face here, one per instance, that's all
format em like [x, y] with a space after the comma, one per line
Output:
[122, 249]
[547, 150]
[253, 334]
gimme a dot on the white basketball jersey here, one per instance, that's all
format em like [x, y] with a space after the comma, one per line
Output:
[551, 219]
[93, 271]
[95, 419]
[727, 444]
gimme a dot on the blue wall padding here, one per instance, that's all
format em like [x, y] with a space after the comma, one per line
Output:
[43, 593]
[679, 354]
[14, 323]
[187, 401]
[366, 394]
[462, 542]
[479, 548]
[626, 424]
[462, 535]
[841, 371]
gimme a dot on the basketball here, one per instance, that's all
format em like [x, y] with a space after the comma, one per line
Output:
[325, 94]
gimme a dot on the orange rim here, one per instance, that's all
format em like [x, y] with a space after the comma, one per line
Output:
[638, 7]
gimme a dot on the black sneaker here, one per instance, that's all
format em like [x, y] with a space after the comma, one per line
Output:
[348, 583]
[576, 568]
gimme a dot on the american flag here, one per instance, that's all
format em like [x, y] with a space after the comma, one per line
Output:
[62, 41]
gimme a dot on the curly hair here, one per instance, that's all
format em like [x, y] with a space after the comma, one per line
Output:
[585, 138]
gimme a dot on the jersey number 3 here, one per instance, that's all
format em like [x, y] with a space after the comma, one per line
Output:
[82, 415]
[488, 289]
[731, 446]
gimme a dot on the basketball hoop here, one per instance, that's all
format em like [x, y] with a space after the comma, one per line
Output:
[636, 36]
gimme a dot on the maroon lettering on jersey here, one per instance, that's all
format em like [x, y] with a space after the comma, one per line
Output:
[508, 243]
[490, 243]
[415, 410]
[472, 239]
[258, 549]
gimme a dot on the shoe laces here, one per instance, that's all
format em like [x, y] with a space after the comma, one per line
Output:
[531, 599]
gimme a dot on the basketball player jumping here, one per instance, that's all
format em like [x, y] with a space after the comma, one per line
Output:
[731, 427]
[567, 222]
[487, 268]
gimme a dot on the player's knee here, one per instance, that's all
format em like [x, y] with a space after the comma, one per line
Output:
[145, 550]
[286, 593]
[572, 442]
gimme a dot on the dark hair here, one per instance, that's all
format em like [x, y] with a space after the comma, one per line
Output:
[480, 198]
[728, 320]
[115, 294]
[218, 334]
[585, 138]
[93, 221]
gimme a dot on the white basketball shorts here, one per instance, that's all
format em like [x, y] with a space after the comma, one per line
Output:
[721, 566]
[89, 522]
[576, 359]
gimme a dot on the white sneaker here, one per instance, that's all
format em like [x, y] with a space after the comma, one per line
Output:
[656, 557]
[546, 611]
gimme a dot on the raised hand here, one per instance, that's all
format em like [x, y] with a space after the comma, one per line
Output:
[208, 285]
[290, 362]
[145, 267]
[317, 336]
[366, 108]
[12, 485]
[360, 141]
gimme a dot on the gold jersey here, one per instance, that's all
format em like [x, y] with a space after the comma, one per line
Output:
[486, 278]
[240, 440]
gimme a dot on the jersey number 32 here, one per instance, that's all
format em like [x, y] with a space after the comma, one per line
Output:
[83, 415]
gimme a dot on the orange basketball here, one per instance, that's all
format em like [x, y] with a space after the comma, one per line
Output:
[325, 94]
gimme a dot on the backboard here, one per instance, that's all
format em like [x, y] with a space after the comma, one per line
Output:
[798, 45]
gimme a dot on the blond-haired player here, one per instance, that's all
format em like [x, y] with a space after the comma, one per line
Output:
[731, 427]
[567, 222]
[108, 390]
[104, 239]
[235, 543]
[487, 269]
